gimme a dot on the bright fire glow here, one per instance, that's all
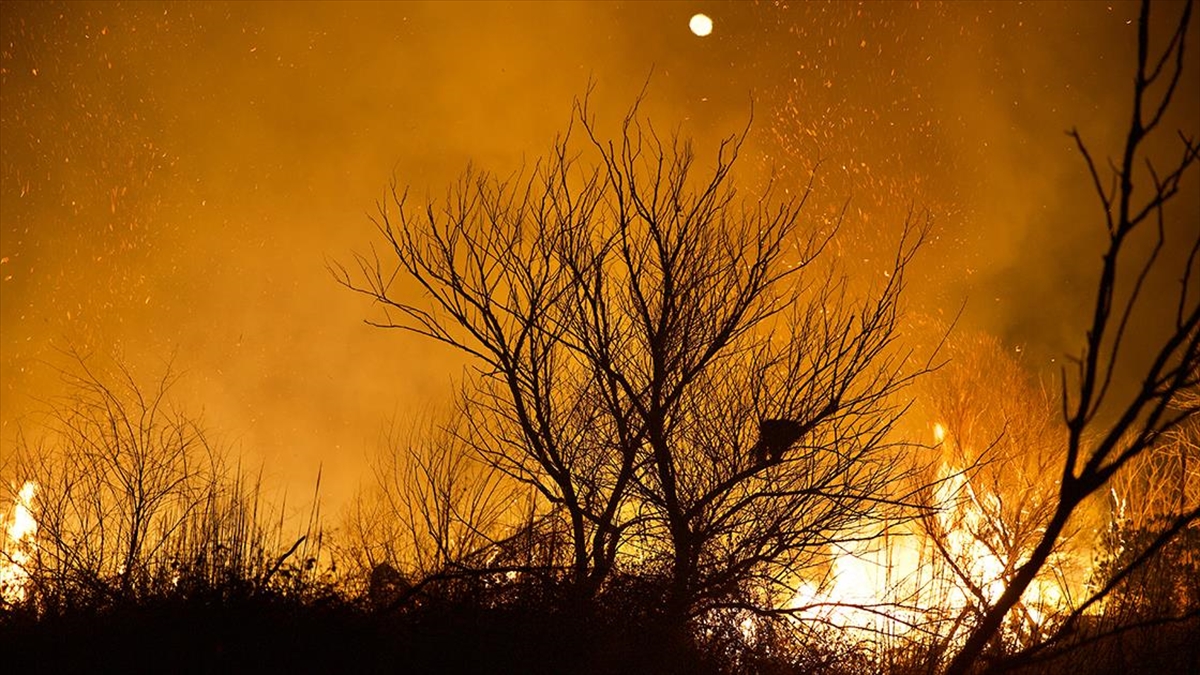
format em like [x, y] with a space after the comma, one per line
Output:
[895, 582]
[863, 579]
[939, 433]
[701, 25]
[22, 527]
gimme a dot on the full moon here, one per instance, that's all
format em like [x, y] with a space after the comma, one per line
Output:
[700, 24]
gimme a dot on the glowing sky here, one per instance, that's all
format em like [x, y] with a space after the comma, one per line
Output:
[176, 175]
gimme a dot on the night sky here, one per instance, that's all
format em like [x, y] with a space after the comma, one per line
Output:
[176, 176]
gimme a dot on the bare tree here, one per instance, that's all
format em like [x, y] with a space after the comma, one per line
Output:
[1145, 576]
[994, 489]
[433, 507]
[1164, 480]
[677, 372]
[1098, 449]
[119, 474]
[132, 501]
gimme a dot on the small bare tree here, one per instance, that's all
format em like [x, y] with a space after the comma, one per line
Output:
[119, 473]
[1098, 449]
[133, 502]
[675, 371]
[1000, 445]
[433, 508]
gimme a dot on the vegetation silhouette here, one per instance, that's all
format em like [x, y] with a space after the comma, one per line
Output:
[682, 420]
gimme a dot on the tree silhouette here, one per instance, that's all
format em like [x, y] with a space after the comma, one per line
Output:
[1000, 445]
[681, 375]
[134, 504]
[1097, 450]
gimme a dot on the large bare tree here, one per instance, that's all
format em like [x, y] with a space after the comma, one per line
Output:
[1105, 436]
[678, 372]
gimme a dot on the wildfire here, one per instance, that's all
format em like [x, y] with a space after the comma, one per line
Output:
[14, 559]
[862, 587]
[915, 576]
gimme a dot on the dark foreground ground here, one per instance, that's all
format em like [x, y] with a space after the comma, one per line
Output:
[279, 637]
[275, 638]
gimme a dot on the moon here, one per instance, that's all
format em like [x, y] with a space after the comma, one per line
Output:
[700, 24]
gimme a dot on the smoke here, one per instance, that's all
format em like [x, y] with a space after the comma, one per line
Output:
[176, 175]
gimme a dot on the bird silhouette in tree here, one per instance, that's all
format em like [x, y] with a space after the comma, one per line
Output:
[775, 436]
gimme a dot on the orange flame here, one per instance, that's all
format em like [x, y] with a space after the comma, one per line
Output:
[14, 560]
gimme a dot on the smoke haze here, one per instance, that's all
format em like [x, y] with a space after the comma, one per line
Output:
[177, 175]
